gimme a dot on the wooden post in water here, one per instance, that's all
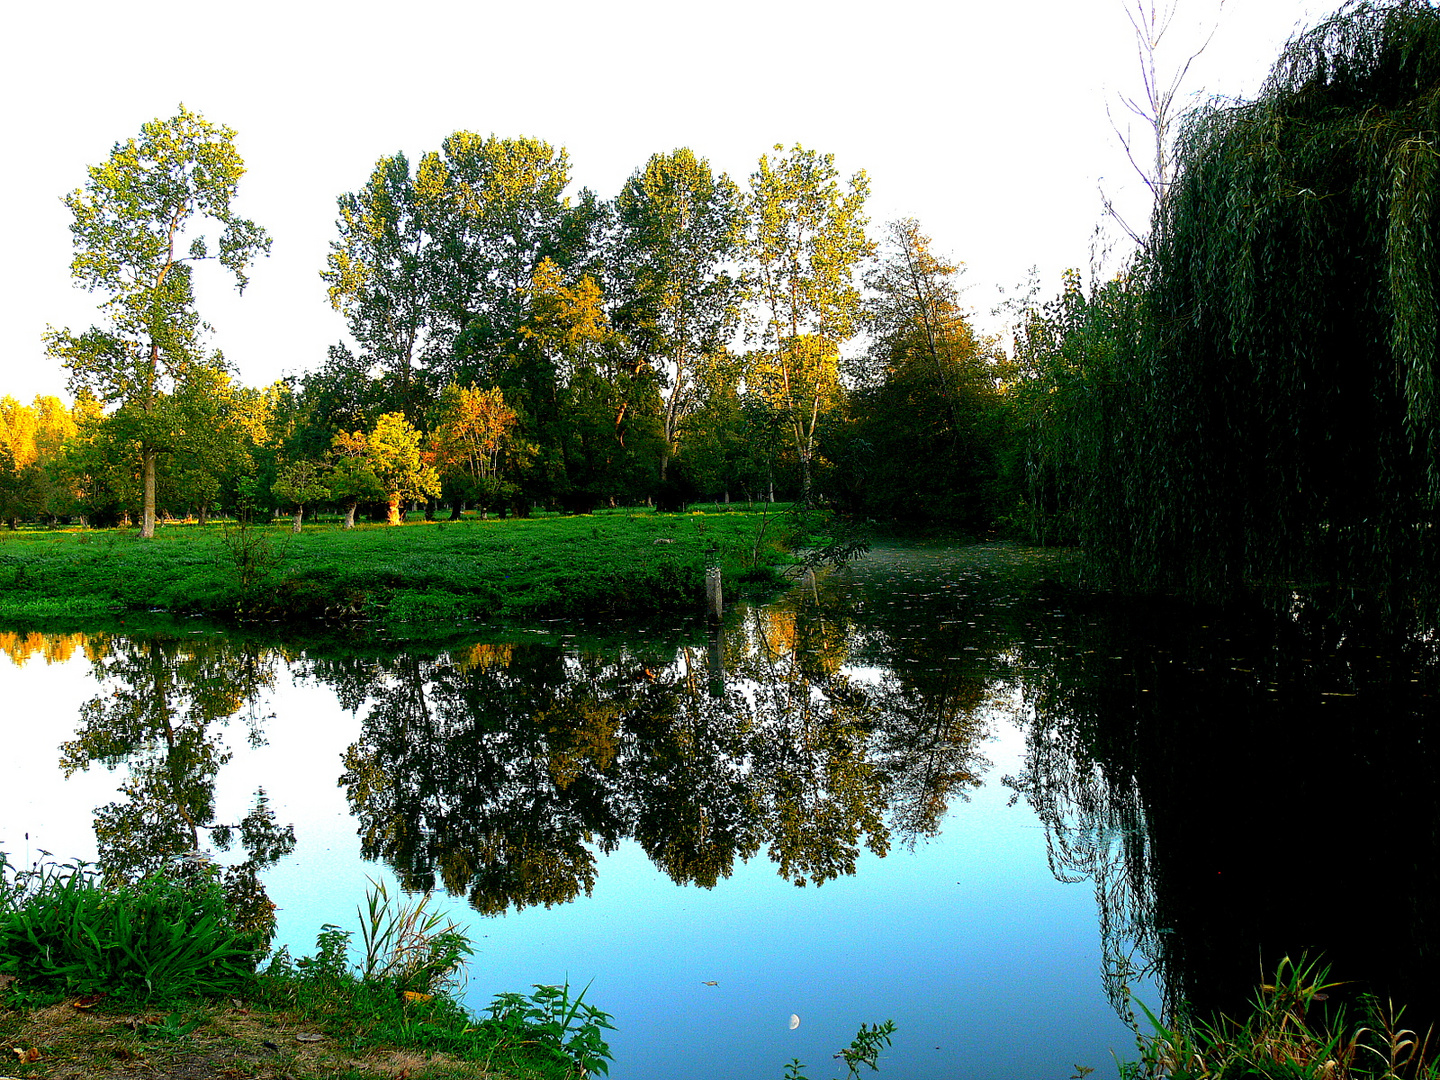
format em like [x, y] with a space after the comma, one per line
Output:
[714, 603]
[715, 661]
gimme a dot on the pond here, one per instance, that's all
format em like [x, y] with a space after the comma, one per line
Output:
[942, 787]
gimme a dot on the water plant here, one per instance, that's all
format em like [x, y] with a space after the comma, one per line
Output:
[549, 1019]
[864, 1049]
[405, 943]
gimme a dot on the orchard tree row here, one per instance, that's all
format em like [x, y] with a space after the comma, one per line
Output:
[513, 346]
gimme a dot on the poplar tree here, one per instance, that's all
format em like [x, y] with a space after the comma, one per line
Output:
[807, 237]
[678, 228]
[130, 220]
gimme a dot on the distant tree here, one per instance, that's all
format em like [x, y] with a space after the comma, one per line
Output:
[927, 432]
[134, 209]
[299, 483]
[471, 431]
[430, 267]
[32, 440]
[807, 237]
[380, 278]
[351, 476]
[397, 462]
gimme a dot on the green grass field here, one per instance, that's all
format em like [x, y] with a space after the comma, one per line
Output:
[418, 575]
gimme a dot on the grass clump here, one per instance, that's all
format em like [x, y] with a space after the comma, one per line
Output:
[62, 928]
[1293, 1031]
[401, 993]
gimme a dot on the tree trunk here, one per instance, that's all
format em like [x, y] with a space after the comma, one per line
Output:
[392, 510]
[299, 517]
[203, 516]
[147, 514]
[457, 508]
[350, 514]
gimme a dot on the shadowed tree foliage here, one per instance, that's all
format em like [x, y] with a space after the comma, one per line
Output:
[927, 427]
[1287, 382]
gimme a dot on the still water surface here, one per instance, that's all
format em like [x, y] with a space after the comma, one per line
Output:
[940, 787]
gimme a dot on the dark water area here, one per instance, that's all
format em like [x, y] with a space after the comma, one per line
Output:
[1276, 775]
[946, 785]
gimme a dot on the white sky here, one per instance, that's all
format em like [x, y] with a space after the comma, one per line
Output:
[983, 119]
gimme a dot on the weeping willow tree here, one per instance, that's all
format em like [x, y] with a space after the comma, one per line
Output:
[1292, 333]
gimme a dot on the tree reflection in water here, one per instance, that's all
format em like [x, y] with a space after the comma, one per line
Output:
[161, 712]
[500, 771]
[1237, 787]
[848, 714]
[1242, 787]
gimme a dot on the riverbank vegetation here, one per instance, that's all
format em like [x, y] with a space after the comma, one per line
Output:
[1292, 1030]
[422, 577]
[1251, 403]
[113, 978]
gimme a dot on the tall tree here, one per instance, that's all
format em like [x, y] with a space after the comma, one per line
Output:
[806, 238]
[927, 426]
[678, 228]
[150, 196]
[380, 278]
[430, 267]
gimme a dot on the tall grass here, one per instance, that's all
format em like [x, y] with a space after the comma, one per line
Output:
[1293, 1031]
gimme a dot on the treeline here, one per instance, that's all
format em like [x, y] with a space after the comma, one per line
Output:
[515, 347]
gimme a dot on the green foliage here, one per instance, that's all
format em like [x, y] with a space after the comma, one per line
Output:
[572, 1030]
[401, 993]
[407, 945]
[172, 1027]
[127, 221]
[864, 1049]
[1292, 1032]
[926, 433]
[1084, 433]
[806, 238]
[165, 935]
[1253, 403]
[677, 225]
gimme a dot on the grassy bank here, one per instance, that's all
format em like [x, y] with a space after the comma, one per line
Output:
[159, 977]
[418, 575]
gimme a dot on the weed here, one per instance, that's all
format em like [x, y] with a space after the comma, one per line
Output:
[409, 946]
[864, 1049]
[171, 1027]
[62, 927]
[1290, 1033]
[551, 1020]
